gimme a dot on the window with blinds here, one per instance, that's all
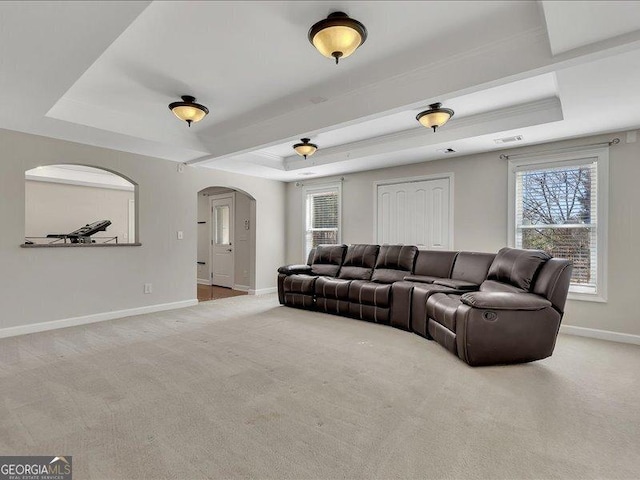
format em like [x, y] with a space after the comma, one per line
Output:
[322, 212]
[556, 210]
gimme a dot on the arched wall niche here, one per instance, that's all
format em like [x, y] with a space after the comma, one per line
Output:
[71, 204]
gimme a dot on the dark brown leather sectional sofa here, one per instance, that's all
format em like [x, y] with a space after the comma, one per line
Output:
[485, 308]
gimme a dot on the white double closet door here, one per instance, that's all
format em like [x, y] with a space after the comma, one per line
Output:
[415, 213]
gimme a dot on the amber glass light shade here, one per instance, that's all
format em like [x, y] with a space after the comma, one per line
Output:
[337, 36]
[305, 149]
[187, 110]
[435, 117]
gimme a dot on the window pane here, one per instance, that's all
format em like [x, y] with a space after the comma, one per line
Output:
[324, 211]
[319, 237]
[556, 211]
[557, 196]
[322, 219]
[222, 224]
[575, 244]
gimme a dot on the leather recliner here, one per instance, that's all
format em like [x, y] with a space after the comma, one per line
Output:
[514, 317]
[485, 308]
[296, 283]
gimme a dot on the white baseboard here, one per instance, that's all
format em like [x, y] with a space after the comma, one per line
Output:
[263, 291]
[600, 334]
[241, 288]
[97, 317]
[204, 281]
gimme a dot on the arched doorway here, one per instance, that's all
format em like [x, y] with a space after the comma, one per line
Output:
[226, 243]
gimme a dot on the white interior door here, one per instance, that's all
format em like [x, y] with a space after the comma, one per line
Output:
[222, 240]
[415, 213]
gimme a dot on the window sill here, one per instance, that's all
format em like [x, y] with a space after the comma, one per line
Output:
[80, 245]
[586, 297]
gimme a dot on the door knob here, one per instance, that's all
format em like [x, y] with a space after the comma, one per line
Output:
[229, 250]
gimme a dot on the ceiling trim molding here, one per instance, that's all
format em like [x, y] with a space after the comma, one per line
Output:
[497, 121]
[417, 78]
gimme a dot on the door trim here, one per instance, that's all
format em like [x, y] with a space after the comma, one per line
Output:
[232, 221]
[393, 181]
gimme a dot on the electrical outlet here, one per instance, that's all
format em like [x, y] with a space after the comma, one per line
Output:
[180, 235]
[148, 288]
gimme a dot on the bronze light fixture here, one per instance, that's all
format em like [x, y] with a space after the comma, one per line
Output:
[435, 117]
[305, 149]
[337, 36]
[188, 110]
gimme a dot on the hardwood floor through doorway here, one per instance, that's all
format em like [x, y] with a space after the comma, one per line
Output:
[207, 293]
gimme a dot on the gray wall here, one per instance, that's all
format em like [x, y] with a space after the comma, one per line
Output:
[480, 220]
[62, 208]
[71, 282]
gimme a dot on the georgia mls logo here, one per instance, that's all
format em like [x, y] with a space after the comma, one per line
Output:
[36, 468]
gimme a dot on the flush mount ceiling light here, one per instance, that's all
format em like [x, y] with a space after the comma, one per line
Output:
[337, 36]
[188, 110]
[435, 117]
[305, 149]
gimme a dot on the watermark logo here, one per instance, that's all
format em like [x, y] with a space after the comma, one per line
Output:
[36, 468]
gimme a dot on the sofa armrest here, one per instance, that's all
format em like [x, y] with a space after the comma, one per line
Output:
[293, 269]
[457, 284]
[420, 278]
[505, 301]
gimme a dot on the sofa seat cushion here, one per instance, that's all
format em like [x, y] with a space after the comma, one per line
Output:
[300, 283]
[370, 293]
[457, 284]
[442, 307]
[335, 288]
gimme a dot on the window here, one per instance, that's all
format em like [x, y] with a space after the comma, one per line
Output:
[322, 216]
[558, 205]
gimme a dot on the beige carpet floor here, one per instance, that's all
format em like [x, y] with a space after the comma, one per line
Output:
[244, 388]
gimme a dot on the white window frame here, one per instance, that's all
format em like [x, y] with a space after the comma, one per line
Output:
[573, 157]
[318, 188]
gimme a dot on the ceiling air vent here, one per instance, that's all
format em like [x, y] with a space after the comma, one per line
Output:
[515, 138]
[446, 150]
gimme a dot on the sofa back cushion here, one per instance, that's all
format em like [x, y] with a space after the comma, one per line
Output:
[394, 263]
[328, 260]
[472, 266]
[359, 262]
[517, 267]
[435, 263]
[553, 282]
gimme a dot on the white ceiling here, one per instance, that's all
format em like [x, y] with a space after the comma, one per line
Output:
[538, 69]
